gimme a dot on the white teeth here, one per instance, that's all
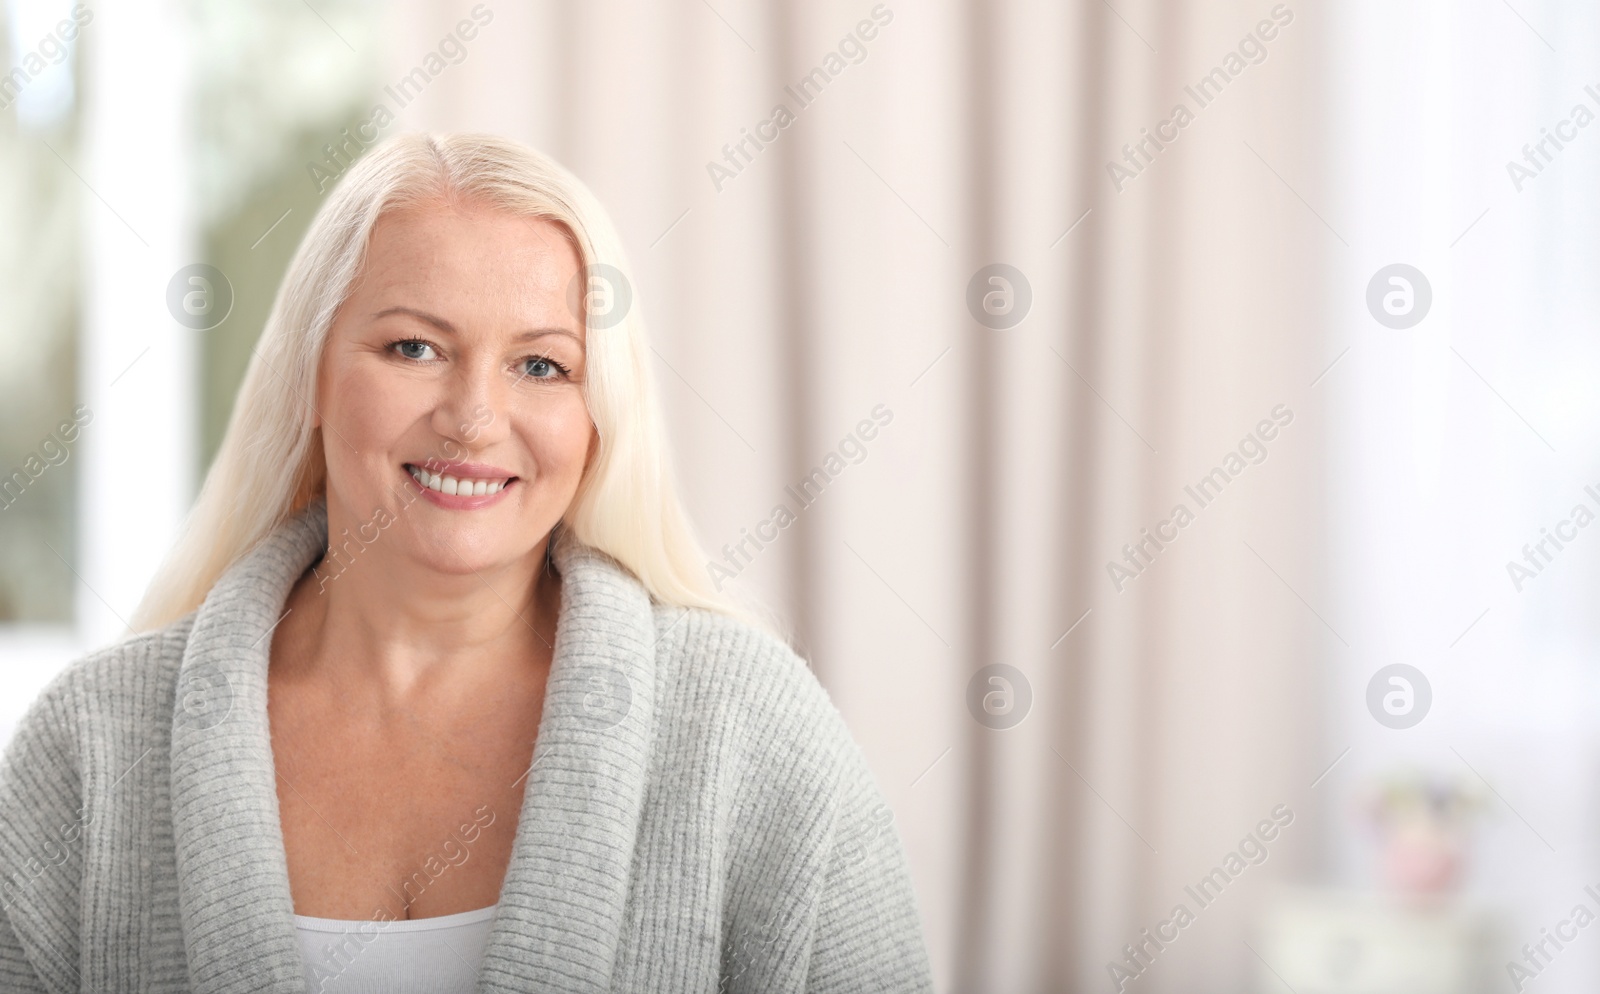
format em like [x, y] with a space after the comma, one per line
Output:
[451, 485]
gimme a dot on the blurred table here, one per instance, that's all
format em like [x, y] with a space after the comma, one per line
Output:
[1343, 942]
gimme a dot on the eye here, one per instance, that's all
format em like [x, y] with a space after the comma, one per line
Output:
[412, 348]
[540, 367]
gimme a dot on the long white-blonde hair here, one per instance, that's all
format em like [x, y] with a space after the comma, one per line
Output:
[626, 503]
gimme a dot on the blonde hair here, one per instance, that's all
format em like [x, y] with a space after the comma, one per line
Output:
[626, 503]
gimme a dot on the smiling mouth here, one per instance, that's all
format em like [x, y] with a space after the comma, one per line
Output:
[462, 487]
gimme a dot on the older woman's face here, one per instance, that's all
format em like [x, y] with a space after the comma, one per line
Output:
[456, 360]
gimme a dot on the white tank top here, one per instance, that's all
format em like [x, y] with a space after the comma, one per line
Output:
[418, 956]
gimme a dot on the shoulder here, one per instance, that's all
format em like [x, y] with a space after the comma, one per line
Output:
[742, 701]
[128, 683]
[745, 674]
[82, 736]
[105, 681]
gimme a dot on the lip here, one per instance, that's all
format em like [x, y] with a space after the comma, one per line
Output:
[456, 502]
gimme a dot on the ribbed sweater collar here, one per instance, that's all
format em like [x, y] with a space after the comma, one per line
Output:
[561, 906]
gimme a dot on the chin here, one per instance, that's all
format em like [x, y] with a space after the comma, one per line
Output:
[466, 550]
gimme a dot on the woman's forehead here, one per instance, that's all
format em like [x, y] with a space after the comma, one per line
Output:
[475, 262]
[440, 228]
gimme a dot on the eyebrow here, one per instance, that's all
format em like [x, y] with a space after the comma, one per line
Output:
[450, 329]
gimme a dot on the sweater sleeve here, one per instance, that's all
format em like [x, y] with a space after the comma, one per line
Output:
[16, 973]
[41, 859]
[867, 937]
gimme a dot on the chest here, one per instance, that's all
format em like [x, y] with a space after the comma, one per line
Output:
[412, 816]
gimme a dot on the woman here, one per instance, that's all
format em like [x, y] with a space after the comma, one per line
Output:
[434, 693]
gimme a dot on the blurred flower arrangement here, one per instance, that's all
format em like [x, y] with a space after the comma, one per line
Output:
[1424, 822]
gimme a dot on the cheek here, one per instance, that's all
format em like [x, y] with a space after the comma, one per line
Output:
[365, 393]
[559, 435]
[365, 411]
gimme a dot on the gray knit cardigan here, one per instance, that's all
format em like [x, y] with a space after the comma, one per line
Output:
[697, 817]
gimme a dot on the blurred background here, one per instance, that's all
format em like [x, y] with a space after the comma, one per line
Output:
[1215, 603]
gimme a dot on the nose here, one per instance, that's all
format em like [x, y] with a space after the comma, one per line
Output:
[470, 415]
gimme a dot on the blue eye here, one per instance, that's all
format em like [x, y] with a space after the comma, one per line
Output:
[411, 348]
[541, 368]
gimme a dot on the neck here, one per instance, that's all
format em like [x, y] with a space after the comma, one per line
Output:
[373, 619]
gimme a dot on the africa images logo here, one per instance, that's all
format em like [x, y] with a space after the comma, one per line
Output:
[1252, 51]
[852, 51]
[1140, 554]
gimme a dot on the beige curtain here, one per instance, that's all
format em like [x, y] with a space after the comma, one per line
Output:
[829, 275]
